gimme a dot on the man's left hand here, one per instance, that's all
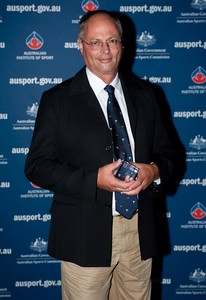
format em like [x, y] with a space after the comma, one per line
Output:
[146, 175]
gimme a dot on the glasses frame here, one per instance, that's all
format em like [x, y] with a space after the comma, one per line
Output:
[100, 44]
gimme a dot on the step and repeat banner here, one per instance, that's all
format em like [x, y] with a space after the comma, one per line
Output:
[166, 44]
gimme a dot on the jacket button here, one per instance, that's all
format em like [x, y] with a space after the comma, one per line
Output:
[108, 148]
[155, 187]
[108, 205]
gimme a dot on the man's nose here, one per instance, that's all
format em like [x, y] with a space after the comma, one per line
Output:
[105, 47]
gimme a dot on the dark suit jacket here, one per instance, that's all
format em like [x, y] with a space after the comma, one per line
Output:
[71, 141]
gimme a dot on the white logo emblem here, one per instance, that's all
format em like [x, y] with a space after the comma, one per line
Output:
[145, 39]
[198, 4]
[198, 276]
[198, 142]
[39, 245]
[32, 110]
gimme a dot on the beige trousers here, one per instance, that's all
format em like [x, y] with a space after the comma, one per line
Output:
[128, 278]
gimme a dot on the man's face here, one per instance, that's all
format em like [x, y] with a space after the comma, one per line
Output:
[103, 62]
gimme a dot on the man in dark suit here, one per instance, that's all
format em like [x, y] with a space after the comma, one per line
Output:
[103, 255]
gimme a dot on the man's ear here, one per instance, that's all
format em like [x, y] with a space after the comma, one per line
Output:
[80, 45]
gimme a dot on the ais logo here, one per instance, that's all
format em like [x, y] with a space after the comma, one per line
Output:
[34, 41]
[34, 185]
[88, 5]
[199, 75]
[198, 211]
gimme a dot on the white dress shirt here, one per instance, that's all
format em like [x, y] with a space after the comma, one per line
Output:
[98, 86]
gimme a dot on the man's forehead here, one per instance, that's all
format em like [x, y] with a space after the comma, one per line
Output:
[98, 21]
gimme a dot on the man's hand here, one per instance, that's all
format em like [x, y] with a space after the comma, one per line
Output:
[107, 181]
[146, 175]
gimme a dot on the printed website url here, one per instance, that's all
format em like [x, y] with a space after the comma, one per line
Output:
[33, 8]
[35, 80]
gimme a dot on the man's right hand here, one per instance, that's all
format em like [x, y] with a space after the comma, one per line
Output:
[107, 181]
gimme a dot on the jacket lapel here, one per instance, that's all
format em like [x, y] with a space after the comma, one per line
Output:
[131, 98]
[80, 85]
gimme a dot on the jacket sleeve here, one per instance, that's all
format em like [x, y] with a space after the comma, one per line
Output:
[44, 165]
[164, 152]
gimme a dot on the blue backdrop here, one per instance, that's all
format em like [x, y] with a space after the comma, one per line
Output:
[38, 49]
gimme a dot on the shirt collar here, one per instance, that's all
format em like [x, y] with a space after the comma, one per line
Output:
[98, 84]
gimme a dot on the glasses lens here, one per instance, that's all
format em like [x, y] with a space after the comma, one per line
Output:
[113, 43]
[97, 45]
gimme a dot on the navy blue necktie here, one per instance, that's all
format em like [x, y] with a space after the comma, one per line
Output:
[125, 205]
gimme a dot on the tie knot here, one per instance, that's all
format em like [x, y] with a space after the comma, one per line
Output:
[109, 89]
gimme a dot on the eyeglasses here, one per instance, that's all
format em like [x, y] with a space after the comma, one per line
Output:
[96, 45]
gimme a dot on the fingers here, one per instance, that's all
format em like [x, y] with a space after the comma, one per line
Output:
[134, 188]
[119, 185]
[106, 180]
